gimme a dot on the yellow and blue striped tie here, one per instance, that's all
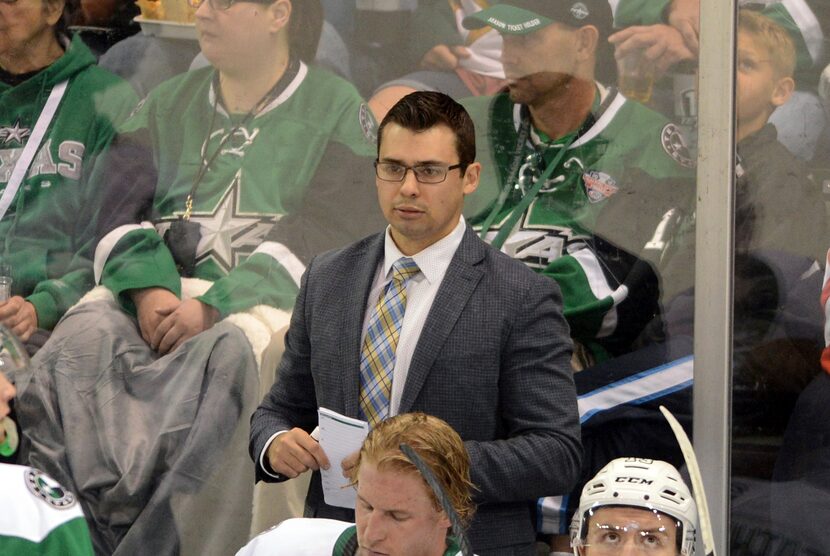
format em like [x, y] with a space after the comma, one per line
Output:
[377, 358]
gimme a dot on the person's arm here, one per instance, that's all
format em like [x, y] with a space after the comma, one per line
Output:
[131, 258]
[130, 254]
[51, 298]
[662, 46]
[110, 104]
[613, 285]
[684, 15]
[542, 451]
[291, 403]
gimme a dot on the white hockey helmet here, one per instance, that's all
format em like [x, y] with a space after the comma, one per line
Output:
[641, 483]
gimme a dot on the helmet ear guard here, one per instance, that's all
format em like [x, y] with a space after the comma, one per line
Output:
[640, 483]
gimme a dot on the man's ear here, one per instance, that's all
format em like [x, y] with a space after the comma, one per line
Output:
[444, 521]
[471, 177]
[53, 10]
[280, 12]
[783, 91]
[587, 38]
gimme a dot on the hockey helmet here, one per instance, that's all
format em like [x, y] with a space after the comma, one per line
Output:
[641, 483]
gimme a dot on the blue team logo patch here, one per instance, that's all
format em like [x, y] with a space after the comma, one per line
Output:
[599, 185]
[47, 489]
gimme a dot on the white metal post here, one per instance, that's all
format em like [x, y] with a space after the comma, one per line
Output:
[714, 264]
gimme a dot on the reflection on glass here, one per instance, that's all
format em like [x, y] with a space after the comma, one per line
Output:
[595, 191]
[780, 240]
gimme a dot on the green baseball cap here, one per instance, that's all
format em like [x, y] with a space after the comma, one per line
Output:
[519, 17]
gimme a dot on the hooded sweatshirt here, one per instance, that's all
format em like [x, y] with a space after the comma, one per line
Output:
[47, 233]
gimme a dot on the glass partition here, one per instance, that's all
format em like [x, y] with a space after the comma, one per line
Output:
[180, 204]
[779, 494]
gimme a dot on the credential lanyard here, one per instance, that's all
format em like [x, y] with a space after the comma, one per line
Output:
[519, 209]
[32, 146]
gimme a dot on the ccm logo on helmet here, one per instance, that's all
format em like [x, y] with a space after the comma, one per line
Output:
[633, 480]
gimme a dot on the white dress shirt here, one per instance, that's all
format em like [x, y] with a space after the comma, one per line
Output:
[420, 293]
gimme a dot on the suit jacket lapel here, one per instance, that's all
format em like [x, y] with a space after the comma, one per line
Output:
[459, 282]
[355, 288]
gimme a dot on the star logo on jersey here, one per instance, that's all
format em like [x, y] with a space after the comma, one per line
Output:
[47, 489]
[599, 185]
[228, 234]
[15, 133]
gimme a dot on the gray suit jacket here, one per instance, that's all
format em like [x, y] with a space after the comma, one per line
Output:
[493, 361]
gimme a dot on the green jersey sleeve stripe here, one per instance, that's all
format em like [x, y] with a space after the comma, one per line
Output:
[284, 257]
[108, 243]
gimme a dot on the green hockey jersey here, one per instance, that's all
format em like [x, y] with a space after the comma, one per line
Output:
[47, 234]
[38, 517]
[595, 225]
[278, 188]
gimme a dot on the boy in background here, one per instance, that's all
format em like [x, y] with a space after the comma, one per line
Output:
[772, 184]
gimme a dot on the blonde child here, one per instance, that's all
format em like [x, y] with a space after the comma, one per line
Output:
[778, 206]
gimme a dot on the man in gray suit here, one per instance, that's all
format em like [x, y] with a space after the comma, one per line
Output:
[482, 343]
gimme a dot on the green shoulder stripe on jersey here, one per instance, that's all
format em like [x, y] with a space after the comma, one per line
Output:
[70, 539]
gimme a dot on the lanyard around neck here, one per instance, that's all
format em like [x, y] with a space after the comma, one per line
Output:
[528, 198]
[279, 87]
[32, 146]
[604, 100]
[518, 210]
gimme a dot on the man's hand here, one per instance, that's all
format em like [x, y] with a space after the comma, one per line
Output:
[182, 323]
[148, 302]
[662, 45]
[443, 57]
[19, 316]
[684, 15]
[295, 452]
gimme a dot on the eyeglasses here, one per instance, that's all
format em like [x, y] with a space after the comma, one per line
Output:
[217, 4]
[424, 173]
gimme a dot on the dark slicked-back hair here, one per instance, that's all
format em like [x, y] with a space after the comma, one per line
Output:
[424, 110]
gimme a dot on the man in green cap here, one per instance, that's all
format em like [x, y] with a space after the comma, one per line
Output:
[583, 184]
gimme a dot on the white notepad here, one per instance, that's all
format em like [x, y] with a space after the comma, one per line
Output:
[340, 437]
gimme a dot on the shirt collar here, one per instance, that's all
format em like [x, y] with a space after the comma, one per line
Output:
[432, 261]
